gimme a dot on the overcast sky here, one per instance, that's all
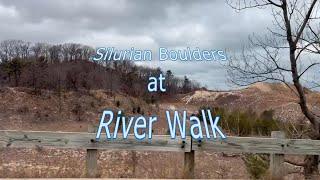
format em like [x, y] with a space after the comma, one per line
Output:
[146, 24]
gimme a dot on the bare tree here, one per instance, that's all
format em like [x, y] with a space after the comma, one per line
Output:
[74, 50]
[17, 48]
[87, 52]
[55, 53]
[25, 49]
[40, 49]
[288, 54]
[7, 49]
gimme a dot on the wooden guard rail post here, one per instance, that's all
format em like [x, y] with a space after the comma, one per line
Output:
[92, 158]
[276, 160]
[188, 166]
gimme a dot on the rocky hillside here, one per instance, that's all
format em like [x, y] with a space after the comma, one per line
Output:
[20, 108]
[258, 97]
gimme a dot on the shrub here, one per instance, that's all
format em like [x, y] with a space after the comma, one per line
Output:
[153, 99]
[118, 103]
[244, 123]
[77, 110]
[23, 109]
[256, 165]
[199, 115]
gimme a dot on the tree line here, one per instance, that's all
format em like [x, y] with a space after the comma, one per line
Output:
[65, 67]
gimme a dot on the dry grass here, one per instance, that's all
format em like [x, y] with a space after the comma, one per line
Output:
[55, 163]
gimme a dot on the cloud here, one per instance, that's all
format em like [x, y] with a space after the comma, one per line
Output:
[142, 23]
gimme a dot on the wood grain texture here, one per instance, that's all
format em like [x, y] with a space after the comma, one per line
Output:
[82, 140]
[277, 170]
[259, 145]
[188, 166]
[91, 159]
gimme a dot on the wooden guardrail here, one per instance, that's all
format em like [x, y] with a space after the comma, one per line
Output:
[276, 146]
